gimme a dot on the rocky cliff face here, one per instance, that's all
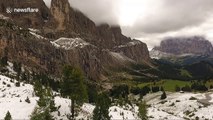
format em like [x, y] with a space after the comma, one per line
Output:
[65, 36]
[186, 45]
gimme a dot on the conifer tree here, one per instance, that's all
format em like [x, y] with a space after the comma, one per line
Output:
[163, 96]
[4, 61]
[102, 106]
[8, 116]
[73, 87]
[143, 111]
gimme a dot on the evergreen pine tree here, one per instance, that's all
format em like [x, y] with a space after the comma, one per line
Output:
[27, 100]
[17, 68]
[163, 96]
[102, 106]
[38, 89]
[73, 87]
[8, 116]
[4, 61]
[143, 111]
[37, 115]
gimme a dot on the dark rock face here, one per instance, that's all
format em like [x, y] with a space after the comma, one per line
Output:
[105, 47]
[186, 45]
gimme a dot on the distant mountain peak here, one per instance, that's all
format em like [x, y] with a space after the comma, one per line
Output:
[196, 45]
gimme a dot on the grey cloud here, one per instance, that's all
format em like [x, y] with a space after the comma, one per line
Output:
[168, 16]
[172, 15]
[100, 11]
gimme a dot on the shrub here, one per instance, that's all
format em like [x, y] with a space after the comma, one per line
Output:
[186, 88]
[8, 85]
[27, 100]
[155, 89]
[121, 90]
[45, 115]
[211, 87]
[17, 84]
[4, 83]
[199, 86]
[135, 90]
[163, 96]
[162, 102]
[177, 88]
[143, 111]
[172, 104]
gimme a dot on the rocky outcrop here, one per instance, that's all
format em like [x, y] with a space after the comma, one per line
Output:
[66, 36]
[185, 45]
[134, 50]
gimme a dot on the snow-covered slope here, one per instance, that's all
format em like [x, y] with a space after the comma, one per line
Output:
[124, 113]
[156, 54]
[69, 43]
[12, 99]
[180, 106]
[132, 43]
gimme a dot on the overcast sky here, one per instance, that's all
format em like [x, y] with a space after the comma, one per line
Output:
[151, 20]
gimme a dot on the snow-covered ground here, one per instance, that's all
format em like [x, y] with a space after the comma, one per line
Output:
[211, 95]
[123, 113]
[13, 98]
[180, 106]
[175, 106]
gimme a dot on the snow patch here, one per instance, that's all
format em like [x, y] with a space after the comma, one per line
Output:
[10, 68]
[123, 113]
[69, 43]
[120, 56]
[33, 30]
[132, 43]
[179, 106]
[211, 98]
[37, 35]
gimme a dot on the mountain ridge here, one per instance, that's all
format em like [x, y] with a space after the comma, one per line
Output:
[183, 48]
[35, 49]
